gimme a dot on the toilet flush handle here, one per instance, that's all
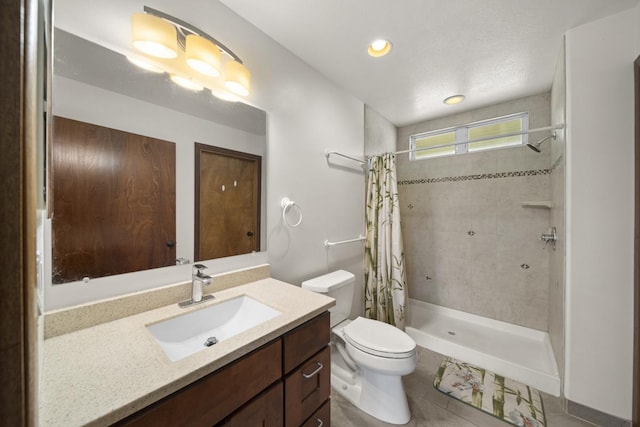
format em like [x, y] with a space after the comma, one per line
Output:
[318, 369]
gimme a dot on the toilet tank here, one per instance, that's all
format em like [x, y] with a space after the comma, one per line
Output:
[338, 285]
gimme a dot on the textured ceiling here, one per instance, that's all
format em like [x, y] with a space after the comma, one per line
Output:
[488, 50]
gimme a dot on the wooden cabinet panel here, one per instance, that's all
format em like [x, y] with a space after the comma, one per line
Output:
[320, 418]
[304, 341]
[211, 399]
[307, 387]
[263, 411]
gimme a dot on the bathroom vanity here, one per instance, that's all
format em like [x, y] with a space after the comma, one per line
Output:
[274, 374]
[284, 382]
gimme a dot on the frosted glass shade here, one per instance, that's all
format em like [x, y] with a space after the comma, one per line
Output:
[237, 78]
[144, 65]
[154, 36]
[224, 95]
[202, 55]
[186, 83]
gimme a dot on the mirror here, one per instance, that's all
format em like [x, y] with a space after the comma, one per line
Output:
[96, 85]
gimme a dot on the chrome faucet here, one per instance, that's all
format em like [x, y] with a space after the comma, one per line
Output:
[198, 280]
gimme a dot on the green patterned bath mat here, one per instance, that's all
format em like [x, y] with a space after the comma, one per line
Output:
[506, 399]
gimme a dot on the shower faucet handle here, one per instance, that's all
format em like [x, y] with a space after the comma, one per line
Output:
[550, 237]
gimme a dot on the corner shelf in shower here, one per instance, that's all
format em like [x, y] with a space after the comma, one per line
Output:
[545, 204]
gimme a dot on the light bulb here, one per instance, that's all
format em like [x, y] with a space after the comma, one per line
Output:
[379, 47]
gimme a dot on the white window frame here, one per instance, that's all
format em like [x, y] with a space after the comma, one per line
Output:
[462, 136]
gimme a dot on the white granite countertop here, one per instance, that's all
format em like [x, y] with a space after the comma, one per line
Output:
[99, 375]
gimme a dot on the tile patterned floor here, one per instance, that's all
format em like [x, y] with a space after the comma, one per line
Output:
[429, 407]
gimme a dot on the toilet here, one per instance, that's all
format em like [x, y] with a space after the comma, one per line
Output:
[368, 357]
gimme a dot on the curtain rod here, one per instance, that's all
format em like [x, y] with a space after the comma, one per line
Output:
[487, 138]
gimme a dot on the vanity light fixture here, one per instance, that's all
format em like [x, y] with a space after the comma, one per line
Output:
[237, 78]
[193, 58]
[453, 100]
[224, 95]
[145, 65]
[379, 47]
[154, 36]
[202, 55]
[186, 83]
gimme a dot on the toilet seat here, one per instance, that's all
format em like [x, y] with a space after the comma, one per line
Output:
[379, 339]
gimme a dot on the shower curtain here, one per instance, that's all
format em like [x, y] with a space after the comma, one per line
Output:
[385, 278]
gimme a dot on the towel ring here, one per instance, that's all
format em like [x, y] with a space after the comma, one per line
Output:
[287, 204]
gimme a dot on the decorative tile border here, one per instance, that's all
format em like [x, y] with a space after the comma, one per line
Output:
[476, 177]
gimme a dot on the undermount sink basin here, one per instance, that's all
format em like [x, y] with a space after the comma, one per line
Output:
[189, 333]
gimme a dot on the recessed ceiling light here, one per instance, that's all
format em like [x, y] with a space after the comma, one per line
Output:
[379, 48]
[453, 100]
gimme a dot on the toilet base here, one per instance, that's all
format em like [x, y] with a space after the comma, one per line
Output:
[381, 396]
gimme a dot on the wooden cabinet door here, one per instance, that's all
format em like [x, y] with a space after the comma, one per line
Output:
[263, 411]
[305, 340]
[210, 400]
[113, 201]
[227, 207]
[307, 388]
[320, 418]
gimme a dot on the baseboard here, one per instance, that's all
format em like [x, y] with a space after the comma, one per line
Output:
[594, 416]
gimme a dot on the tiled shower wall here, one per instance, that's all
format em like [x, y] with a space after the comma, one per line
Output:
[471, 242]
[557, 260]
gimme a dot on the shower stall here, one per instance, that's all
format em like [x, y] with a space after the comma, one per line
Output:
[484, 285]
[520, 353]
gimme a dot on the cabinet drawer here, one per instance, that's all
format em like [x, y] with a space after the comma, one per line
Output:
[263, 411]
[212, 398]
[307, 387]
[304, 341]
[320, 418]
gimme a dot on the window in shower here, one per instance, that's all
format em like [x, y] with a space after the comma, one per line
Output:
[471, 138]
[434, 144]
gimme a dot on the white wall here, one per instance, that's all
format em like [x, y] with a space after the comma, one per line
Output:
[306, 114]
[600, 171]
[379, 133]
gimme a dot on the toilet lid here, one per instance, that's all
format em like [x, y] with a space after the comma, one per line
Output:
[378, 338]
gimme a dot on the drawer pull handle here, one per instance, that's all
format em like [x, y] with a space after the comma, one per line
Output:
[318, 369]
[320, 423]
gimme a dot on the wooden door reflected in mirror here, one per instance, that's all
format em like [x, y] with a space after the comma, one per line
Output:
[227, 202]
[112, 202]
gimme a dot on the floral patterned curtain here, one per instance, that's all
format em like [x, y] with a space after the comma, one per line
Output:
[385, 278]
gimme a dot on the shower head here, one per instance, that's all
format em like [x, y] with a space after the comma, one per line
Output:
[536, 145]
